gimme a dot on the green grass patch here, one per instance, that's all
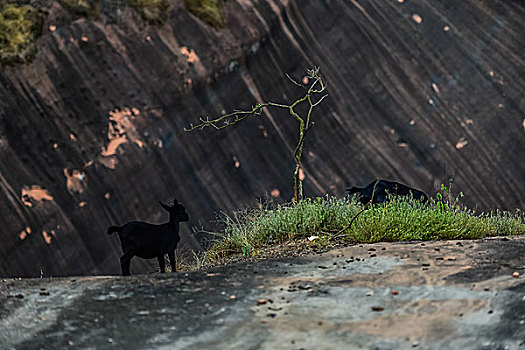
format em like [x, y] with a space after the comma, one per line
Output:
[152, 11]
[209, 11]
[401, 219]
[20, 26]
[89, 8]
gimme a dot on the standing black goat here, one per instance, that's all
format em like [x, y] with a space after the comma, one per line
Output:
[378, 190]
[149, 241]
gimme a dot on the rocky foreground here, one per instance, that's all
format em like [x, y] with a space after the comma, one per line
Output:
[425, 295]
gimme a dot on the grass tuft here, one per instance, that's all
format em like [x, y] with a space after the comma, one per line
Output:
[401, 219]
[20, 26]
[209, 11]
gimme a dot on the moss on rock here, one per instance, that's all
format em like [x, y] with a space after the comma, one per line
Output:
[209, 11]
[20, 26]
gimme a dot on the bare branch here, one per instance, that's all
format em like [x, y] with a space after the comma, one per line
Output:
[295, 82]
[311, 88]
[316, 88]
[238, 115]
[313, 73]
[309, 126]
[301, 139]
[272, 104]
[320, 100]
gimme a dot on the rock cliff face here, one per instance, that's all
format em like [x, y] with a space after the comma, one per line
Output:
[91, 132]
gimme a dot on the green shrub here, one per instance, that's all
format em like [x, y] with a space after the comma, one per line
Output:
[152, 11]
[209, 11]
[20, 26]
[401, 219]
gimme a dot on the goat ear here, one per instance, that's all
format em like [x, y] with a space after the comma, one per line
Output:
[164, 206]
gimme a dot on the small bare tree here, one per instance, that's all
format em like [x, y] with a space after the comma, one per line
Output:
[314, 95]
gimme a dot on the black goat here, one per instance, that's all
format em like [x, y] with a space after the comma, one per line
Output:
[149, 241]
[378, 190]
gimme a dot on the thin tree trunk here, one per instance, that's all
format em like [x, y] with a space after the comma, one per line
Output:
[298, 183]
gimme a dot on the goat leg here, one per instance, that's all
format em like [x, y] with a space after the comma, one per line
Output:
[125, 262]
[162, 265]
[171, 255]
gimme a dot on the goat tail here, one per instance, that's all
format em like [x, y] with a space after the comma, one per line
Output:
[114, 229]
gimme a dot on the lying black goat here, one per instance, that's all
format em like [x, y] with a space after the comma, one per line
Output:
[149, 241]
[378, 190]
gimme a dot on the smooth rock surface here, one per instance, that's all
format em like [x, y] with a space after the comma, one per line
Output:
[432, 295]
